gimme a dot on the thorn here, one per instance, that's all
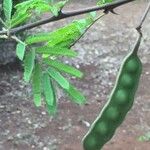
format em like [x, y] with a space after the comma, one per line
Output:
[106, 11]
[139, 30]
[113, 12]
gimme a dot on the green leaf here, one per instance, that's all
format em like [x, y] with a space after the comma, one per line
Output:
[92, 15]
[26, 4]
[49, 94]
[56, 51]
[68, 35]
[61, 4]
[30, 5]
[20, 50]
[62, 37]
[29, 9]
[51, 109]
[54, 11]
[7, 7]
[22, 18]
[76, 95]
[29, 65]
[145, 137]
[101, 2]
[56, 8]
[63, 67]
[39, 37]
[36, 84]
[58, 78]
[42, 8]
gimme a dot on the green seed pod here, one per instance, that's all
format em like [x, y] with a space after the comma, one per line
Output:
[91, 142]
[121, 97]
[119, 103]
[132, 65]
[101, 128]
[112, 113]
[127, 80]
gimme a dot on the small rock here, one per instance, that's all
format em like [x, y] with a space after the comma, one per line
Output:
[45, 148]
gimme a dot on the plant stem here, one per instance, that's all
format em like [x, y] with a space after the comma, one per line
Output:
[139, 26]
[63, 15]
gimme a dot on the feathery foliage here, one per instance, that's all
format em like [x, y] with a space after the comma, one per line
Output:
[41, 63]
[7, 7]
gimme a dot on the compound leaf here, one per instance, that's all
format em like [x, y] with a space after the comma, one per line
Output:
[56, 51]
[62, 37]
[58, 78]
[77, 97]
[29, 64]
[20, 50]
[7, 7]
[49, 94]
[63, 67]
[19, 19]
[36, 84]
[39, 37]
[24, 10]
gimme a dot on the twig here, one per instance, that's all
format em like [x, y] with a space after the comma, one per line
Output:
[139, 26]
[63, 15]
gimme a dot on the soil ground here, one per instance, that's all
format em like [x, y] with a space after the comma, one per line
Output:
[101, 50]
